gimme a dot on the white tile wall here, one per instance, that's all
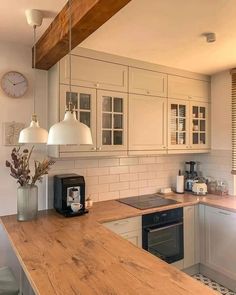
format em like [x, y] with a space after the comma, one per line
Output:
[217, 164]
[114, 178]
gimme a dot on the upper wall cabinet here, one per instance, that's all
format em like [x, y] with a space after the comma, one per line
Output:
[186, 88]
[94, 73]
[147, 124]
[147, 82]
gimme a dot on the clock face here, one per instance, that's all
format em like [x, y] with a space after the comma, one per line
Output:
[14, 84]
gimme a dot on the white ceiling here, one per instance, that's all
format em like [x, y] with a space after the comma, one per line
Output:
[168, 32]
[13, 25]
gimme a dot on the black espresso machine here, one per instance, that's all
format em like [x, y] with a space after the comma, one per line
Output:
[69, 190]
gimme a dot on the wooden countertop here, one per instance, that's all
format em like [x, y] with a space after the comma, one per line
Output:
[80, 256]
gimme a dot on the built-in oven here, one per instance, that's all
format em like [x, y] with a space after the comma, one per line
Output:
[162, 234]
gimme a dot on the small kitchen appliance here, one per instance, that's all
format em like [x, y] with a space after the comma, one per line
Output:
[199, 188]
[69, 190]
[190, 175]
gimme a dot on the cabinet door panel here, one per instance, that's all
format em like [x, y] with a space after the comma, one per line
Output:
[135, 237]
[111, 121]
[186, 88]
[189, 236]
[147, 123]
[147, 82]
[84, 101]
[94, 73]
[220, 238]
[199, 125]
[178, 124]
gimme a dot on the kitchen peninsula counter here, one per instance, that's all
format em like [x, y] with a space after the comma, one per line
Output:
[80, 256]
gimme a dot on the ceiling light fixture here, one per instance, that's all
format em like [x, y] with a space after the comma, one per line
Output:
[69, 131]
[34, 133]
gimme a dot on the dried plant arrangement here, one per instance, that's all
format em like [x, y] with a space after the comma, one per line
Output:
[19, 166]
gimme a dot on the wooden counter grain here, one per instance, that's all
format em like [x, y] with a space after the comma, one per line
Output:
[80, 256]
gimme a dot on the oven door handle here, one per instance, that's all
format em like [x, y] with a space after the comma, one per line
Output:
[164, 227]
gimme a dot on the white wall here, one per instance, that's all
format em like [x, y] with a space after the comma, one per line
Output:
[221, 111]
[17, 58]
[217, 164]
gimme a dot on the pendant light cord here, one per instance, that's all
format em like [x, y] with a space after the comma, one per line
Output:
[70, 41]
[34, 88]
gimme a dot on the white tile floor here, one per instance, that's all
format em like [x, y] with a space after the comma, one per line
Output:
[213, 285]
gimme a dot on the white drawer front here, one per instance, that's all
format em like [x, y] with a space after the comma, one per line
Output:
[123, 226]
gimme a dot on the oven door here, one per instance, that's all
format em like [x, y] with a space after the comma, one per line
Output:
[165, 242]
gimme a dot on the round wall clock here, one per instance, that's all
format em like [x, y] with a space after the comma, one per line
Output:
[14, 84]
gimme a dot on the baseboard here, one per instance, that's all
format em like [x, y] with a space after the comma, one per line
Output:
[192, 270]
[218, 277]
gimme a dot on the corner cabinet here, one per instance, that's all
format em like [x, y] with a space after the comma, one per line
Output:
[188, 125]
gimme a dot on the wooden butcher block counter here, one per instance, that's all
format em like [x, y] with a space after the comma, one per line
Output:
[80, 256]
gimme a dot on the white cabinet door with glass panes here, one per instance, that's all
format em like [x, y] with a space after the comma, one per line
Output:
[178, 117]
[199, 118]
[84, 102]
[111, 121]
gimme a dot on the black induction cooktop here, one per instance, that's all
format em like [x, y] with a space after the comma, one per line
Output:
[147, 201]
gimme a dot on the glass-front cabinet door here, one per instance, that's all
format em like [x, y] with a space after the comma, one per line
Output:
[84, 102]
[199, 125]
[111, 121]
[178, 117]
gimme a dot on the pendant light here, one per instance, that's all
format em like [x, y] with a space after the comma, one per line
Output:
[34, 133]
[69, 131]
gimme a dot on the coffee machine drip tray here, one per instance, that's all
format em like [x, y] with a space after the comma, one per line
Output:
[147, 201]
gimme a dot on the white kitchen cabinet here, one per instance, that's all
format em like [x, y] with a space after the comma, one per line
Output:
[199, 125]
[188, 89]
[147, 124]
[178, 124]
[111, 121]
[190, 236]
[128, 228]
[94, 73]
[188, 125]
[105, 112]
[220, 241]
[147, 82]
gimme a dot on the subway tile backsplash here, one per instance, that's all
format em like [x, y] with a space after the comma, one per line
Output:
[114, 178]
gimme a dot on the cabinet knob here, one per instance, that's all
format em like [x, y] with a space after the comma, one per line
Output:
[97, 85]
[93, 148]
[148, 91]
[164, 147]
[99, 148]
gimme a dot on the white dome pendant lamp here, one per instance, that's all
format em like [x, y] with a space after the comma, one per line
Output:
[69, 131]
[34, 133]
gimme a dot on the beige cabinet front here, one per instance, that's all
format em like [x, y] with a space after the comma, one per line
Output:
[84, 102]
[111, 121]
[188, 89]
[220, 241]
[147, 123]
[178, 124]
[94, 73]
[199, 129]
[147, 82]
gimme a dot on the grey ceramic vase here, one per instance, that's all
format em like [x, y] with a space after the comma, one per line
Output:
[27, 202]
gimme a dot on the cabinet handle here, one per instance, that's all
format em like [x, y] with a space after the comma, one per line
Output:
[224, 213]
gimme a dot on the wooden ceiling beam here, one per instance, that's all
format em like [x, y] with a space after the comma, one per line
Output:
[87, 17]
